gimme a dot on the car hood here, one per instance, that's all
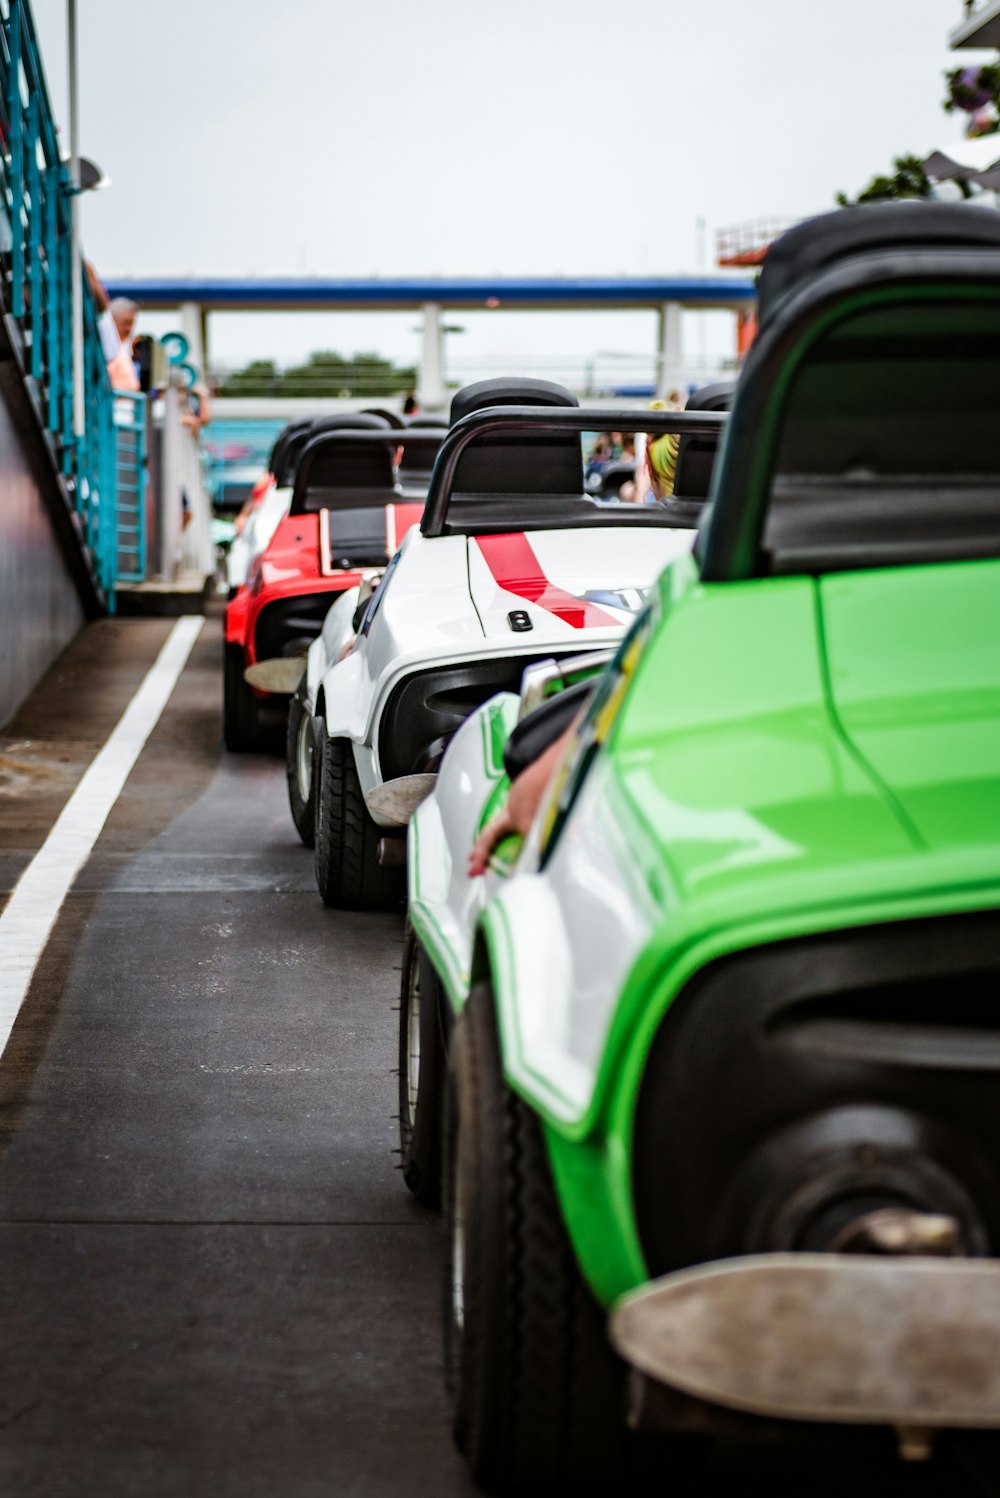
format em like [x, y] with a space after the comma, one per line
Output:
[815, 744]
[914, 672]
[558, 583]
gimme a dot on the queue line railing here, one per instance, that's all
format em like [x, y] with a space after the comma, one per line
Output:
[36, 289]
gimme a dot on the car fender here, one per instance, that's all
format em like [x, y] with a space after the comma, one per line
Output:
[324, 652]
[237, 612]
[444, 902]
[561, 941]
[342, 687]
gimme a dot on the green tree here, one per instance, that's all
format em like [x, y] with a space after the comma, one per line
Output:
[323, 374]
[908, 181]
[260, 377]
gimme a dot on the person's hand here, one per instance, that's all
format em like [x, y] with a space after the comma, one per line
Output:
[525, 797]
[96, 289]
[496, 829]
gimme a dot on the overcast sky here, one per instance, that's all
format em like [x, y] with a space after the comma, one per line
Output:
[449, 136]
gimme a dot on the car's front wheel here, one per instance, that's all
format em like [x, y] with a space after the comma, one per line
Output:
[537, 1393]
[422, 1061]
[300, 767]
[348, 873]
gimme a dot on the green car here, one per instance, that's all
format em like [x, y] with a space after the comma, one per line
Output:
[715, 1056]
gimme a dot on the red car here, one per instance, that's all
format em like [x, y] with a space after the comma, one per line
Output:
[348, 513]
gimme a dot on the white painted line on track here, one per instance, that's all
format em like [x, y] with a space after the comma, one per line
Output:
[31, 912]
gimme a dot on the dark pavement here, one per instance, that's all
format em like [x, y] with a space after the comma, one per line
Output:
[212, 1281]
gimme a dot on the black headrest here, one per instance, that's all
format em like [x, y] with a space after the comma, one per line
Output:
[391, 418]
[696, 455]
[717, 397]
[868, 228]
[613, 477]
[517, 464]
[330, 468]
[303, 435]
[281, 443]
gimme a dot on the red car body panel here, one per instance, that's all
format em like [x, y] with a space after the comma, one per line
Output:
[291, 567]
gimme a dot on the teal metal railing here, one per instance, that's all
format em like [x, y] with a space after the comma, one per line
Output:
[36, 289]
[130, 472]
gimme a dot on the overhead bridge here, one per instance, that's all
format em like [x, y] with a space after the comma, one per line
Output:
[668, 296]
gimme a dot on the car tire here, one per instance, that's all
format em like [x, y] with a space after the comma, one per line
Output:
[240, 716]
[537, 1392]
[300, 767]
[422, 1062]
[348, 873]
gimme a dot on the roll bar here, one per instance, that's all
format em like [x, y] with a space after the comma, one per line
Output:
[548, 421]
[353, 438]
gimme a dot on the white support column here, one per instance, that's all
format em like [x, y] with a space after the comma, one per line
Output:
[191, 328]
[431, 391]
[669, 351]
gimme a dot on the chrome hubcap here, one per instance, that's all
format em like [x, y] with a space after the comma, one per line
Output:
[304, 757]
[457, 1243]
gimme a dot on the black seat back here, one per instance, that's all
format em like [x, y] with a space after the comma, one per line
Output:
[696, 455]
[277, 464]
[517, 464]
[417, 463]
[335, 473]
[304, 434]
[818, 243]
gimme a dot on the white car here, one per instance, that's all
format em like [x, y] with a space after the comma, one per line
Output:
[256, 535]
[512, 564]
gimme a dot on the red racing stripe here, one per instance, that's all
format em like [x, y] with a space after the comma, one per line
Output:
[515, 568]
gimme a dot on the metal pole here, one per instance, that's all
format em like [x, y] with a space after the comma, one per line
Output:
[74, 256]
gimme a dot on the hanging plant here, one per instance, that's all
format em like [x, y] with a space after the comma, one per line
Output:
[972, 89]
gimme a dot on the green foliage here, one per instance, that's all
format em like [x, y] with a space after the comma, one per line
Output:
[961, 96]
[909, 181]
[258, 378]
[323, 374]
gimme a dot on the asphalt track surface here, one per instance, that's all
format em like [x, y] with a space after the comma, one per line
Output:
[212, 1281]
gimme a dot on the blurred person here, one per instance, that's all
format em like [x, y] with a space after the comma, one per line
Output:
[121, 369]
[196, 408]
[411, 406]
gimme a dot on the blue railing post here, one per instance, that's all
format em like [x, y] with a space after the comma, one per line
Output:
[36, 217]
[34, 187]
[53, 188]
[15, 114]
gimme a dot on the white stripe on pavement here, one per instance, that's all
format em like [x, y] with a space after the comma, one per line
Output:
[31, 912]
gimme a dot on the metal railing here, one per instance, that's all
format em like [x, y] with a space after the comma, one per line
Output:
[36, 276]
[130, 473]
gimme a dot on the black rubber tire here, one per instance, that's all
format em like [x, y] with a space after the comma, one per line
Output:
[537, 1393]
[420, 1119]
[240, 717]
[303, 808]
[348, 873]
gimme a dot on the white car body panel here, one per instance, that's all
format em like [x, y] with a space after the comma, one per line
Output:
[443, 605]
[445, 903]
[338, 627]
[562, 939]
[256, 535]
